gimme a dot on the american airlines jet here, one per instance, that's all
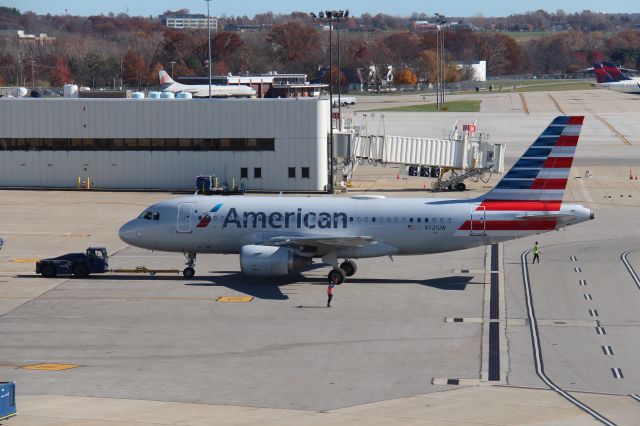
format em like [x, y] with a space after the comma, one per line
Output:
[278, 235]
[167, 84]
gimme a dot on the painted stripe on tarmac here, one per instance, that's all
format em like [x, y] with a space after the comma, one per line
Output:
[537, 350]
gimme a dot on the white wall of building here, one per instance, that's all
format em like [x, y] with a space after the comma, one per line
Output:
[479, 69]
[299, 127]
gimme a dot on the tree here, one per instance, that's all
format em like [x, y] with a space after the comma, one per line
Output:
[60, 74]
[135, 69]
[405, 76]
[427, 65]
[293, 41]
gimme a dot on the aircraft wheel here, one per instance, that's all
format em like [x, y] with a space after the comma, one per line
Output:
[349, 267]
[189, 272]
[461, 186]
[337, 275]
[49, 271]
[80, 270]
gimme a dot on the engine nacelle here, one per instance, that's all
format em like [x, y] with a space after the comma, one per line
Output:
[270, 261]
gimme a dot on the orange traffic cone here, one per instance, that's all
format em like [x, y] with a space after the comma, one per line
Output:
[398, 176]
[630, 174]
[636, 177]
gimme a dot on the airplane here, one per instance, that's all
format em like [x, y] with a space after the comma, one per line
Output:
[278, 235]
[609, 76]
[167, 84]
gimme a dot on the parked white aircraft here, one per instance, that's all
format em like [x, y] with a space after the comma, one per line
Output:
[609, 76]
[167, 84]
[278, 235]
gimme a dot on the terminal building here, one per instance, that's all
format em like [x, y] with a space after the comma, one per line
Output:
[163, 144]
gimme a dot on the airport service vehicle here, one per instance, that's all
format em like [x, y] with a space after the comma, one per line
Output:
[1, 243]
[344, 101]
[167, 84]
[7, 400]
[94, 261]
[278, 235]
[609, 76]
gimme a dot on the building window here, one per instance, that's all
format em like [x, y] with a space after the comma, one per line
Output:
[137, 144]
[305, 172]
[257, 172]
[292, 172]
[244, 172]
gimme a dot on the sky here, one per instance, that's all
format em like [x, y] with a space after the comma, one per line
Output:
[356, 7]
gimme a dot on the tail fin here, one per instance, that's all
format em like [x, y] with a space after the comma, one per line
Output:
[615, 72]
[602, 76]
[165, 79]
[538, 179]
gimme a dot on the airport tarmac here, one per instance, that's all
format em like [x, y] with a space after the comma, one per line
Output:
[406, 342]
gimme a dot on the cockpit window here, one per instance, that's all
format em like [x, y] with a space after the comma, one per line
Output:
[149, 216]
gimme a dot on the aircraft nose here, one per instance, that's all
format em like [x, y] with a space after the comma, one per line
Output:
[129, 232]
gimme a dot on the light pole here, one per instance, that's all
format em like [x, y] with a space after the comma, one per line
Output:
[442, 66]
[172, 64]
[331, 16]
[209, 40]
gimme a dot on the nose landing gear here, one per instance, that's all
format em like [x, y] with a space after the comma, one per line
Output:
[189, 271]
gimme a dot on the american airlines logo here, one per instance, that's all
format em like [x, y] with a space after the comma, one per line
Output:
[297, 219]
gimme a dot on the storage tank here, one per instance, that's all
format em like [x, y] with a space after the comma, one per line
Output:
[70, 90]
[184, 95]
[137, 95]
[154, 95]
[167, 95]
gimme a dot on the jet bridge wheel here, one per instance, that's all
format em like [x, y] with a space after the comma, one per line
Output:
[349, 267]
[189, 272]
[461, 186]
[338, 276]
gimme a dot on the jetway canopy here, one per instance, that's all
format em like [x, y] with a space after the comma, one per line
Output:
[462, 151]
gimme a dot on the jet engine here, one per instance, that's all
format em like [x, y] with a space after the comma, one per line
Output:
[270, 261]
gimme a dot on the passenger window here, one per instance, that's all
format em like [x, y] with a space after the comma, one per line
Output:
[359, 219]
[388, 220]
[366, 219]
[404, 220]
[419, 220]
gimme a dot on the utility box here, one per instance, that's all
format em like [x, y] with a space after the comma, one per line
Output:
[7, 400]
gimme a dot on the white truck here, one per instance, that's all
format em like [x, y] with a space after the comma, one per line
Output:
[344, 100]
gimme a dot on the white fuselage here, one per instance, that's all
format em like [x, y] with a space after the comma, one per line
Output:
[624, 86]
[217, 91]
[398, 226]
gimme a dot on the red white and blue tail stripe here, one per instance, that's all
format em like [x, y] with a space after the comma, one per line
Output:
[528, 199]
[538, 179]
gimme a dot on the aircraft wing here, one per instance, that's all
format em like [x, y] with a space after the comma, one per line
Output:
[345, 242]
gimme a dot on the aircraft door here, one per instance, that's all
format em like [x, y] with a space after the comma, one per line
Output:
[184, 217]
[478, 221]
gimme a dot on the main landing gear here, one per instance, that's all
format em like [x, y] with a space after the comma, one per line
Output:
[189, 271]
[347, 268]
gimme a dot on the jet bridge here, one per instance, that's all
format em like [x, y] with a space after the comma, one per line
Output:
[460, 154]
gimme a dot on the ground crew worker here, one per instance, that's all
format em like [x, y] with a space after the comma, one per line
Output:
[536, 253]
[330, 288]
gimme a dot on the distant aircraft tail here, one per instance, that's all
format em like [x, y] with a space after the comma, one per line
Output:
[615, 72]
[602, 76]
[537, 181]
[165, 79]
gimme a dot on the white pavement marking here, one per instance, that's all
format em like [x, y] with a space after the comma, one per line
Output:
[630, 268]
[635, 396]
[577, 269]
[587, 296]
[593, 312]
[617, 373]
[600, 331]
[573, 259]
[583, 282]
[537, 350]
[607, 350]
